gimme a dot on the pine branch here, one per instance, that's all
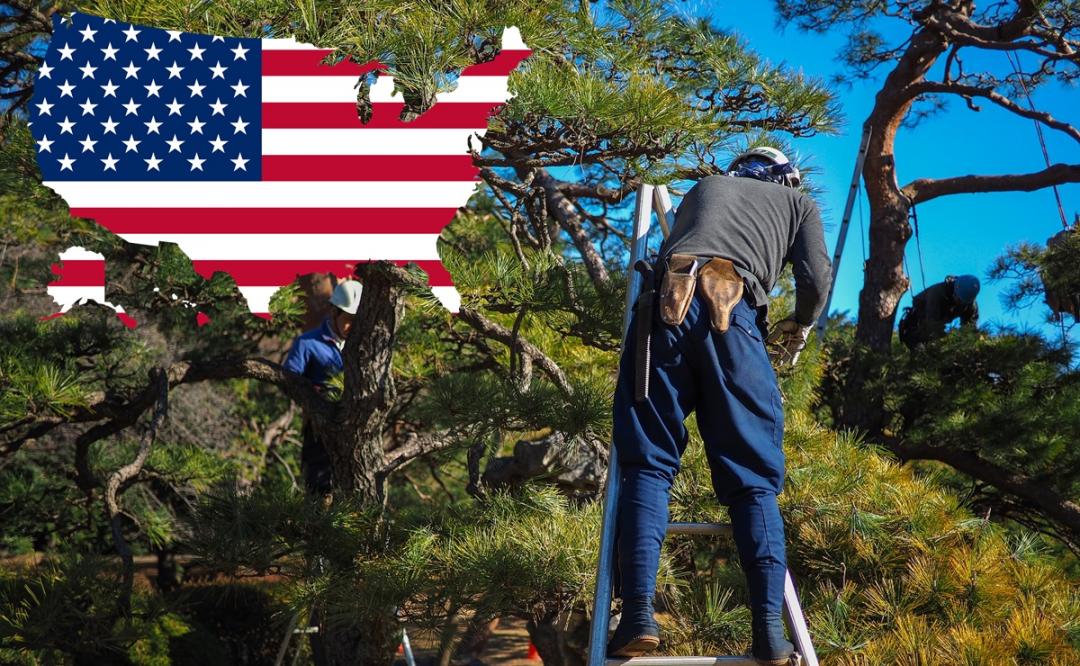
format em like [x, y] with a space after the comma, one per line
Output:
[926, 189]
[599, 192]
[1061, 509]
[496, 331]
[18, 27]
[122, 414]
[563, 210]
[1006, 35]
[416, 446]
[113, 510]
[967, 91]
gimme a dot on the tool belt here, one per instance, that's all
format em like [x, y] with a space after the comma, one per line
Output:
[720, 286]
[715, 278]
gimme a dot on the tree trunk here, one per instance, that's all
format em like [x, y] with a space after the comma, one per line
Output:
[885, 280]
[370, 641]
[357, 446]
[562, 639]
[355, 442]
[883, 286]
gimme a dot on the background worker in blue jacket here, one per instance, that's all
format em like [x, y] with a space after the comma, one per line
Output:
[316, 354]
[731, 238]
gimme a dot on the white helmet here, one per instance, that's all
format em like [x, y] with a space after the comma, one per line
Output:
[773, 156]
[346, 296]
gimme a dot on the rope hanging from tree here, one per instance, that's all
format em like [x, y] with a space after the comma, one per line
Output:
[1015, 62]
[914, 215]
[1059, 303]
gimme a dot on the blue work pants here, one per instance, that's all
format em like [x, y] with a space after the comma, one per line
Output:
[727, 379]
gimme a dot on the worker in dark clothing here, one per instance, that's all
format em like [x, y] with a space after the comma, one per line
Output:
[934, 307]
[731, 238]
[316, 354]
[1061, 296]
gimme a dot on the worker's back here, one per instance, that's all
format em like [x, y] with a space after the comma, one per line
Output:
[315, 354]
[934, 308]
[757, 225]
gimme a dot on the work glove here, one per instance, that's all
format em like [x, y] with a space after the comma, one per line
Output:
[786, 340]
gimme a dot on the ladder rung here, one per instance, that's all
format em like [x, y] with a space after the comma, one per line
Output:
[684, 661]
[722, 529]
[691, 661]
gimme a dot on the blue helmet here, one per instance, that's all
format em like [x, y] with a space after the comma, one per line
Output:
[965, 289]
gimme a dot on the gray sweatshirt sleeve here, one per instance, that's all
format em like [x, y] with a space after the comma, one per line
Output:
[811, 266]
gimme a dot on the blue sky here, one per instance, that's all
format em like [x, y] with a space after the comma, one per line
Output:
[960, 234]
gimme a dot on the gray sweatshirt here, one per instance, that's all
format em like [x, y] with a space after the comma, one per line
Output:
[759, 226]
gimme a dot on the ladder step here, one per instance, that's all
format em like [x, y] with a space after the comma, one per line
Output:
[719, 529]
[691, 661]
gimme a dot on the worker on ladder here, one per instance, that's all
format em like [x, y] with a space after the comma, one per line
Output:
[933, 308]
[316, 354]
[702, 347]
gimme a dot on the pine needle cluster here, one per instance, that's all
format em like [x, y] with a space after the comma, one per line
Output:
[891, 567]
[999, 408]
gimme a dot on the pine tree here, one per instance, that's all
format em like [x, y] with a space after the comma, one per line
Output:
[637, 91]
[944, 50]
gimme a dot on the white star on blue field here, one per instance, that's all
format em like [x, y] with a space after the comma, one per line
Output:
[115, 101]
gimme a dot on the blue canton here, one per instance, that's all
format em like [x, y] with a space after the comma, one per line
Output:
[115, 101]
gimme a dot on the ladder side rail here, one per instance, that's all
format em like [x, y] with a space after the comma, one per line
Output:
[800, 634]
[410, 660]
[598, 630]
[665, 212]
[845, 222]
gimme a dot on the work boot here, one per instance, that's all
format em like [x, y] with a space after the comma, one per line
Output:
[770, 648]
[637, 632]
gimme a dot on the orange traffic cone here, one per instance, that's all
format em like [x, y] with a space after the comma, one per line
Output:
[533, 654]
[401, 648]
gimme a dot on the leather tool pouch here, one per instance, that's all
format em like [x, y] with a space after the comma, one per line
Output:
[721, 287]
[677, 288]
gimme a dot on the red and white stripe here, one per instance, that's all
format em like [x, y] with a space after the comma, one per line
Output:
[81, 279]
[333, 193]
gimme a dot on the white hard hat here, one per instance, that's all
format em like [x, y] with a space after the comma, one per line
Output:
[346, 296]
[774, 156]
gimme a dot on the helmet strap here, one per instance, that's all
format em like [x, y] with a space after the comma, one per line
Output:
[770, 173]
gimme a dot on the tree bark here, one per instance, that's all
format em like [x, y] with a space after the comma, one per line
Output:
[356, 447]
[355, 440]
[562, 209]
[113, 490]
[561, 639]
[885, 281]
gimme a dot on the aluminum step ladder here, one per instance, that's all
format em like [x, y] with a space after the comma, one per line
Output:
[655, 198]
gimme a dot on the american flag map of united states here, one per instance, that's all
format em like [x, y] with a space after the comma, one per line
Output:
[249, 155]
